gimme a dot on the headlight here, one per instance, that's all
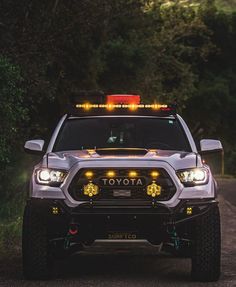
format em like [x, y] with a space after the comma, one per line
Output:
[191, 177]
[50, 177]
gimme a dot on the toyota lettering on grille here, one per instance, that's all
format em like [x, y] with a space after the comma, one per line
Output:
[111, 182]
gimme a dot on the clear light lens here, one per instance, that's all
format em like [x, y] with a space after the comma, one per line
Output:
[44, 175]
[56, 176]
[199, 175]
[193, 176]
[47, 176]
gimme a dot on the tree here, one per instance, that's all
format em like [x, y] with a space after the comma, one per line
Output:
[13, 113]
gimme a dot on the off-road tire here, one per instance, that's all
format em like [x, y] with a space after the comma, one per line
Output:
[37, 261]
[206, 254]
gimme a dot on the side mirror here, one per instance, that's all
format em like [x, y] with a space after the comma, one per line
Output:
[210, 145]
[34, 146]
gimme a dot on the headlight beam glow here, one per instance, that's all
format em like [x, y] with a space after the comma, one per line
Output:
[50, 176]
[195, 176]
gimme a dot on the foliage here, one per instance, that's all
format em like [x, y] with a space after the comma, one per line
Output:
[230, 164]
[177, 48]
[226, 5]
[215, 117]
[10, 235]
[165, 50]
[13, 194]
[111, 45]
[12, 110]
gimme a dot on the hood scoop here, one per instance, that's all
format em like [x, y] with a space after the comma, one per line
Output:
[121, 152]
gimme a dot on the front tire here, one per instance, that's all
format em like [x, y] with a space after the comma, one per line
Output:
[37, 260]
[206, 254]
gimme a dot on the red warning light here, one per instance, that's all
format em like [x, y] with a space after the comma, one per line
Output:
[166, 109]
[123, 99]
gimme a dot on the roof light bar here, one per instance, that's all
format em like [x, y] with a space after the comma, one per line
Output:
[89, 106]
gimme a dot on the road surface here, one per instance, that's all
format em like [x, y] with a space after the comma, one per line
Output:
[136, 265]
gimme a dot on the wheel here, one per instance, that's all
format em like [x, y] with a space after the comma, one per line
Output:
[37, 260]
[206, 253]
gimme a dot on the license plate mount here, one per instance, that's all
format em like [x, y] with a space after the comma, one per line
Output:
[121, 193]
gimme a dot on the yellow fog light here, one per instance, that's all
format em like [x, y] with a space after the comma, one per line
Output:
[90, 189]
[189, 210]
[155, 174]
[133, 173]
[111, 173]
[55, 210]
[153, 190]
[89, 174]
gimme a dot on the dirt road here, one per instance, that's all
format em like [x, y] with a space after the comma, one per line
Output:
[136, 264]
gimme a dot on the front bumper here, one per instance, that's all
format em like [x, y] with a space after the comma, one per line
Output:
[99, 222]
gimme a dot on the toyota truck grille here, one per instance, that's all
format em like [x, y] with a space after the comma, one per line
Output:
[121, 184]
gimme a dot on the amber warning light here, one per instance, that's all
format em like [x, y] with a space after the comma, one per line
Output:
[89, 106]
[116, 102]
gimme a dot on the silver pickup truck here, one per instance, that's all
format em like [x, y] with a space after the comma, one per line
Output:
[121, 170]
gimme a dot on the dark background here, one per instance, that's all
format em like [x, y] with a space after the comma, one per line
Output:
[166, 51]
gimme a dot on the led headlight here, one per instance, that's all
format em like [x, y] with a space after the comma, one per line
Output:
[195, 176]
[50, 177]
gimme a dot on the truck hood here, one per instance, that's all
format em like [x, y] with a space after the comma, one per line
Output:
[66, 159]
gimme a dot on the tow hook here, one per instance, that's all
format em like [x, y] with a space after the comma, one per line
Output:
[73, 229]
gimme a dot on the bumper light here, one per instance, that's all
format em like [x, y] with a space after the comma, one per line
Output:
[90, 189]
[189, 210]
[154, 190]
[192, 177]
[50, 177]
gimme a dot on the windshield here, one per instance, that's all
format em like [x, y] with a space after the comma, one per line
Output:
[122, 132]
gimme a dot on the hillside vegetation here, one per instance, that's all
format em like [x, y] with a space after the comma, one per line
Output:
[226, 5]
